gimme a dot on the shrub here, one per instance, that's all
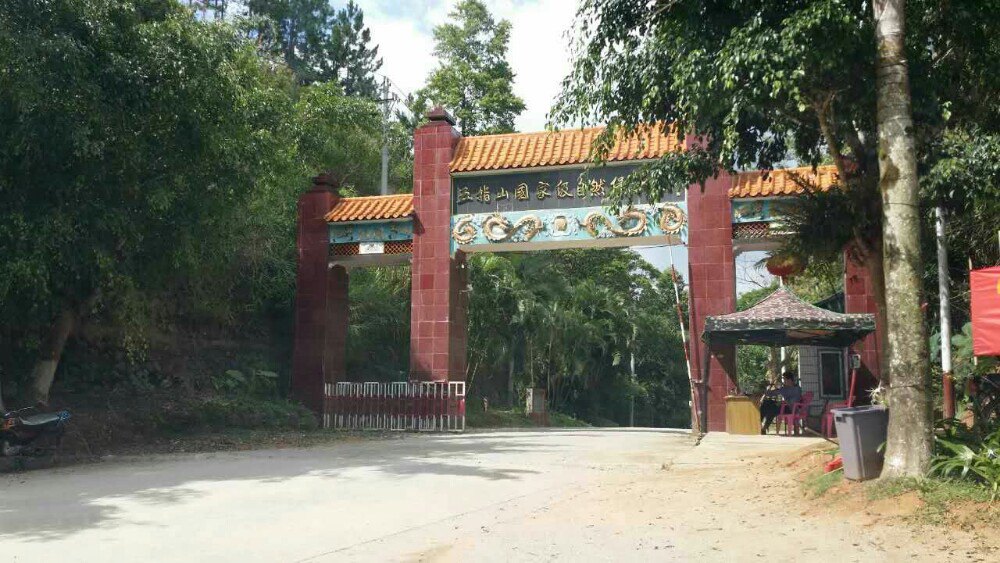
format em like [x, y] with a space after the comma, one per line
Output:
[219, 413]
[969, 454]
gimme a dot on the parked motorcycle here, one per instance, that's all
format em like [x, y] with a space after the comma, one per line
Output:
[19, 430]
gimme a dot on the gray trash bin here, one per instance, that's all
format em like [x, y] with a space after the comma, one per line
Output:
[862, 432]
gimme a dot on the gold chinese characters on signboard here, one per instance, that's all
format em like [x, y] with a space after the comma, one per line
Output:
[584, 189]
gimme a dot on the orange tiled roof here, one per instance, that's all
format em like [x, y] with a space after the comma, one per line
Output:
[371, 208]
[783, 182]
[556, 148]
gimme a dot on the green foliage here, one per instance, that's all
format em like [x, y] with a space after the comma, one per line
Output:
[150, 165]
[971, 454]
[671, 174]
[379, 332]
[768, 82]
[752, 362]
[256, 382]
[340, 135]
[319, 43]
[964, 363]
[963, 174]
[575, 334]
[128, 150]
[473, 78]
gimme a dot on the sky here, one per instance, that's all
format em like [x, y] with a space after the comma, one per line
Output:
[403, 30]
[539, 56]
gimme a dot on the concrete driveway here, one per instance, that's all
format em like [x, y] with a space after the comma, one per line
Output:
[566, 495]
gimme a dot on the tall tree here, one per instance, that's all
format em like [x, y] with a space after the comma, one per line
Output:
[356, 60]
[319, 43]
[764, 81]
[473, 78]
[908, 449]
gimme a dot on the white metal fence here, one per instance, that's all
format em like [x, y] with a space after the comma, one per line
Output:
[416, 405]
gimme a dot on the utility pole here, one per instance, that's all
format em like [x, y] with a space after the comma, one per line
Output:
[947, 383]
[386, 100]
[631, 407]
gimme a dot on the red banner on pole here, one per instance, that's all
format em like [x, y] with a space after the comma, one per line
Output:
[985, 286]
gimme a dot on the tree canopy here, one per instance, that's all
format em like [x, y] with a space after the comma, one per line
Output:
[473, 79]
[319, 43]
[150, 167]
[767, 82]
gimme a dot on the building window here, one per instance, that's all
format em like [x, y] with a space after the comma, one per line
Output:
[831, 373]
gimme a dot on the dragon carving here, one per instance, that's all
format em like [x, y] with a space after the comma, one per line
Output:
[672, 219]
[590, 222]
[464, 231]
[498, 228]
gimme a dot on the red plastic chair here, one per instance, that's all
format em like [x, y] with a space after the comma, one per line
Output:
[827, 425]
[794, 415]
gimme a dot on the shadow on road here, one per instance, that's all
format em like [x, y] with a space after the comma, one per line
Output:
[54, 504]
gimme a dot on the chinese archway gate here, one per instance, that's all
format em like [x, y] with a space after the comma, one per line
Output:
[517, 192]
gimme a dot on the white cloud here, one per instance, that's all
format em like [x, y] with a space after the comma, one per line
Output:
[538, 52]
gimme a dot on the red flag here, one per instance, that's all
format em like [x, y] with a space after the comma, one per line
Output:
[985, 286]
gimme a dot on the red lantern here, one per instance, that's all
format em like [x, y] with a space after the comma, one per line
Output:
[784, 265]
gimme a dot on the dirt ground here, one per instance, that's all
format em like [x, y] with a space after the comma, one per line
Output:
[569, 495]
[730, 499]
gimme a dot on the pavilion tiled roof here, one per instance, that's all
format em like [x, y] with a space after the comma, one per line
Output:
[782, 319]
[371, 208]
[558, 148]
[784, 182]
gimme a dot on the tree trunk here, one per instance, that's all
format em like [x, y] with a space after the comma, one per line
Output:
[908, 448]
[44, 371]
[774, 366]
[510, 381]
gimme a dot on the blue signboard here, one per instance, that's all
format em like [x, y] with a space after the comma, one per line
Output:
[374, 231]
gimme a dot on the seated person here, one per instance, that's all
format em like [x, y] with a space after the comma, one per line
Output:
[770, 408]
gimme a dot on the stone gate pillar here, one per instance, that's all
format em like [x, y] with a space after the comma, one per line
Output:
[859, 297]
[712, 287]
[320, 301]
[438, 295]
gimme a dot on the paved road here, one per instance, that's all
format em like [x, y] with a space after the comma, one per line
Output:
[388, 498]
[570, 495]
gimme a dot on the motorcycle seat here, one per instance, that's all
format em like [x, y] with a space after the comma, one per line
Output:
[40, 419]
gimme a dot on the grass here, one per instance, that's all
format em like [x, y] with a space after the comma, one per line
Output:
[817, 484]
[940, 497]
[561, 420]
[515, 418]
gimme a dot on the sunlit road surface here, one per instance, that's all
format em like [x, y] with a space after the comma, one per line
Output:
[571, 495]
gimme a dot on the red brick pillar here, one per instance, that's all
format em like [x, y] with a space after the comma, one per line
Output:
[438, 315]
[712, 285]
[337, 322]
[320, 301]
[860, 298]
